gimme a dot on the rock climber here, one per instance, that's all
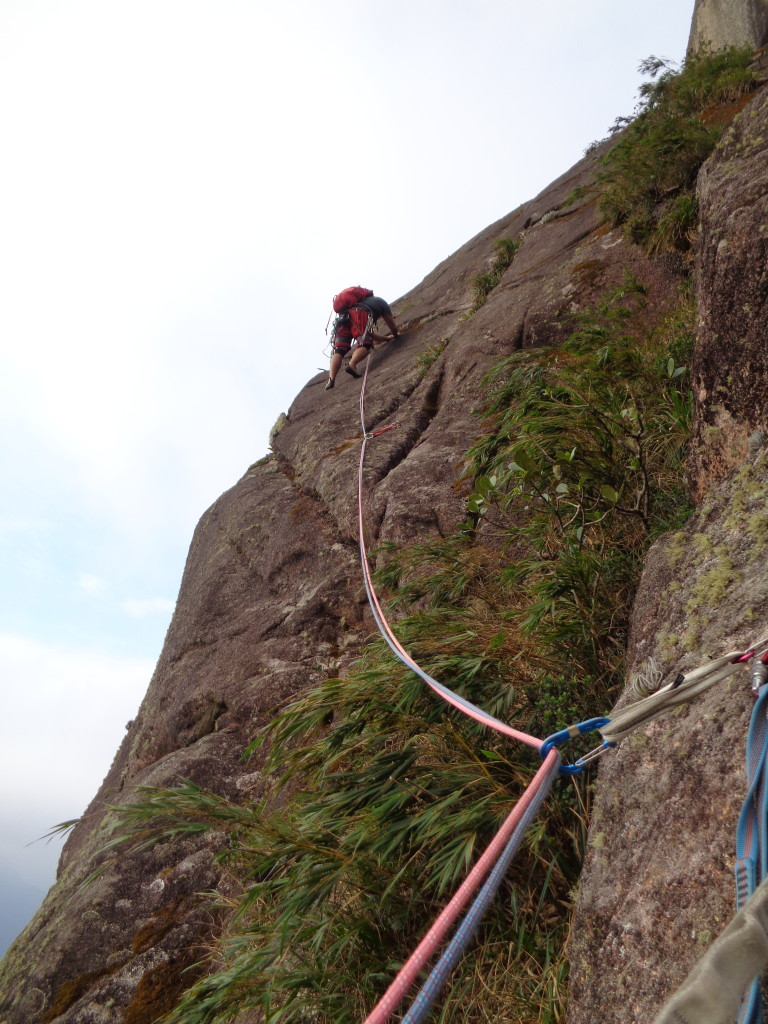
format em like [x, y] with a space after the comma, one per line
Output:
[343, 333]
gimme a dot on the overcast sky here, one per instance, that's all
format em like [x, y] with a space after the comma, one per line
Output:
[184, 186]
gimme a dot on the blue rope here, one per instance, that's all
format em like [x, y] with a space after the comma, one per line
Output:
[464, 934]
[752, 835]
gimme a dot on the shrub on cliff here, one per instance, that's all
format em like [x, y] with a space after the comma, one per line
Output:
[585, 460]
[646, 179]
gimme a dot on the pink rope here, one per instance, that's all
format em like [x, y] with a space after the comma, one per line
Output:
[410, 969]
[447, 695]
[426, 948]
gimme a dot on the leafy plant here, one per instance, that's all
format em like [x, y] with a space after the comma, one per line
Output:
[646, 179]
[676, 225]
[430, 355]
[586, 461]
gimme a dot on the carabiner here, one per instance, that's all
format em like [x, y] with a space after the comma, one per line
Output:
[558, 738]
[759, 674]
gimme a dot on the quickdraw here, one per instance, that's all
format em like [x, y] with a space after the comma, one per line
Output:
[682, 689]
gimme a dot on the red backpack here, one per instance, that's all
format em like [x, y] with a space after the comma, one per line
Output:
[353, 323]
[350, 297]
[359, 321]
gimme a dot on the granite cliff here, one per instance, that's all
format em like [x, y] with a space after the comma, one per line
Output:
[271, 604]
[667, 803]
[725, 23]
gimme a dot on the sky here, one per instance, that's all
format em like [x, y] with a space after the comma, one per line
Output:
[185, 184]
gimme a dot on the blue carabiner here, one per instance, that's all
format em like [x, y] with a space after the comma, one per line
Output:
[558, 738]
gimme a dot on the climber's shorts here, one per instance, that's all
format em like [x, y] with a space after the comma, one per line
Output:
[344, 344]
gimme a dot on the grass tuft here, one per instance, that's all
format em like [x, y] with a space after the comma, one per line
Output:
[646, 180]
[506, 250]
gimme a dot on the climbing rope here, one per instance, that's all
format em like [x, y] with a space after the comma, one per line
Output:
[751, 841]
[495, 861]
[511, 832]
[466, 930]
[385, 629]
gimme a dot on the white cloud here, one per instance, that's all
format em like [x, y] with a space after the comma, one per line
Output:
[15, 526]
[93, 585]
[148, 606]
[64, 715]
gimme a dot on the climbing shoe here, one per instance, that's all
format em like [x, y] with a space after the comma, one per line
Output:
[354, 373]
[329, 385]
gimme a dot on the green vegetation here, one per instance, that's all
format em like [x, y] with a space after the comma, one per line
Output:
[586, 460]
[647, 178]
[392, 794]
[506, 250]
[430, 355]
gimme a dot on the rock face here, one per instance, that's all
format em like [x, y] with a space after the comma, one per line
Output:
[731, 356]
[272, 601]
[729, 23]
[658, 881]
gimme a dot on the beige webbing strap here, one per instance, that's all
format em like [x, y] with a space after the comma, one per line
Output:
[643, 711]
[712, 992]
[682, 690]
